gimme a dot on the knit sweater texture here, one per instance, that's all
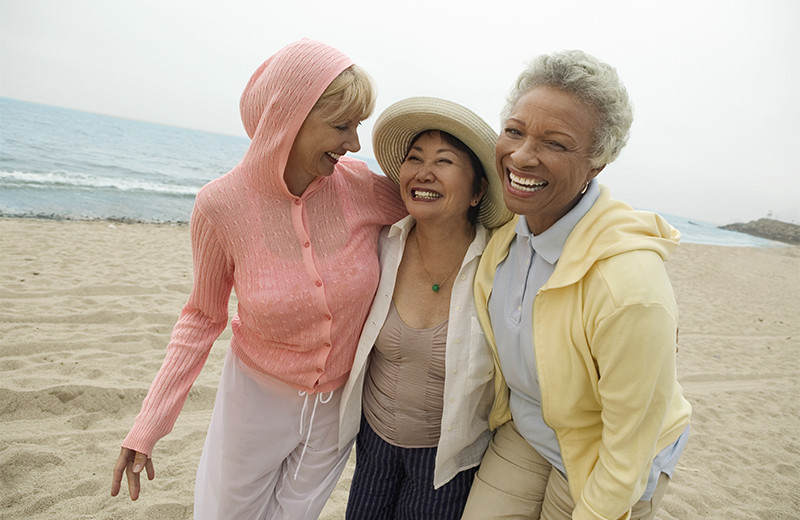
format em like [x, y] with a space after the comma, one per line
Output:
[304, 269]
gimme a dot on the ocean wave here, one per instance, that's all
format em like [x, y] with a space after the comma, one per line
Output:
[71, 180]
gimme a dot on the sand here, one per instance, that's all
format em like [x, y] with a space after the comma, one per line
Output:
[86, 309]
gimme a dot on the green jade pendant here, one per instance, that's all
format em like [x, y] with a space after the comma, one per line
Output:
[435, 287]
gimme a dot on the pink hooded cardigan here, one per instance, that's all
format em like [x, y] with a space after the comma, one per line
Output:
[304, 268]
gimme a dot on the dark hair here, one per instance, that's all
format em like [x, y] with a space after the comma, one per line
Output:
[477, 167]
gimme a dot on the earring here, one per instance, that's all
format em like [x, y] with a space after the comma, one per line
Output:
[474, 202]
[585, 187]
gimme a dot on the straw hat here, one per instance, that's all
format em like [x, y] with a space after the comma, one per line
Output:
[402, 121]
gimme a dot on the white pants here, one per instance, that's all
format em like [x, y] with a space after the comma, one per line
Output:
[251, 465]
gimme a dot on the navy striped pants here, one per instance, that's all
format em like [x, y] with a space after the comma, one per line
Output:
[392, 483]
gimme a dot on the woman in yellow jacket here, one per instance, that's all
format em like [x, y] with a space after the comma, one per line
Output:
[579, 312]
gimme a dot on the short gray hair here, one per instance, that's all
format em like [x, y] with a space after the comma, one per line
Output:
[591, 81]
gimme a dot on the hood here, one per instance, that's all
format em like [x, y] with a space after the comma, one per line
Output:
[609, 228]
[276, 101]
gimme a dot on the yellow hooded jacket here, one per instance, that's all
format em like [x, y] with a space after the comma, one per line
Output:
[605, 333]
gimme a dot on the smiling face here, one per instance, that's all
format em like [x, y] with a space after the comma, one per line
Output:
[543, 155]
[436, 181]
[317, 149]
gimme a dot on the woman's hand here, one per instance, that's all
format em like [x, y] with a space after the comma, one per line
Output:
[132, 463]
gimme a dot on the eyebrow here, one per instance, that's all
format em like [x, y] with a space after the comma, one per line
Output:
[557, 132]
[546, 132]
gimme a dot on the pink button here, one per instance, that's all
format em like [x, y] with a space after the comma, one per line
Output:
[319, 283]
[298, 202]
[306, 244]
[327, 345]
[319, 371]
[328, 317]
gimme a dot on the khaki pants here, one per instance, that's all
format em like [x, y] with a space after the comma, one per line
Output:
[515, 482]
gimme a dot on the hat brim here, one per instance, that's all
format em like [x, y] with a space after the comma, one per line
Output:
[402, 121]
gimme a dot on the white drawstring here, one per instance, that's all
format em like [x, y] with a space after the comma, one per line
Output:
[303, 411]
[317, 399]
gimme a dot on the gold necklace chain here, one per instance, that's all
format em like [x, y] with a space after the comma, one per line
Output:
[435, 286]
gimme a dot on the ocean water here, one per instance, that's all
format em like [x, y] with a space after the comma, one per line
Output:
[66, 164]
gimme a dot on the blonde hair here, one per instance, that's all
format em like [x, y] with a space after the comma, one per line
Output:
[350, 96]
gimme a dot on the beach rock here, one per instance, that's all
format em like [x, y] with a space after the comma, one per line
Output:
[768, 228]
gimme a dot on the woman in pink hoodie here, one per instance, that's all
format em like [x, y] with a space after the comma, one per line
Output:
[293, 229]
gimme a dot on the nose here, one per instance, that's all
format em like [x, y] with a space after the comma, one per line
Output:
[526, 154]
[352, 144]
[425, 172]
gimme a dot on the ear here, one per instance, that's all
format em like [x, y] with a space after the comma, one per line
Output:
[594, 172]
[476, 199]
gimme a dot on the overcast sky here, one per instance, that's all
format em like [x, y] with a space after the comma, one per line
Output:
[714, 83]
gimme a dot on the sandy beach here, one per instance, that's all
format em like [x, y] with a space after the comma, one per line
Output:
[86, 309]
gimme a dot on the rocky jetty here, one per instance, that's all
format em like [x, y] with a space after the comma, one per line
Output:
[768, 228]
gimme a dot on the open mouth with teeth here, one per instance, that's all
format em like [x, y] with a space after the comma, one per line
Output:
[334, 156]
[525, 183]
[417, 193]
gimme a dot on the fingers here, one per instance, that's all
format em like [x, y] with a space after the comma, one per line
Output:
[119, 468]
[134, 469]
[131, 463]
[139, 461]
[151, 471]
[133, 479]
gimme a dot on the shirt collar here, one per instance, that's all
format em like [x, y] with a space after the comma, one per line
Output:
[403, 227]
[550, 244]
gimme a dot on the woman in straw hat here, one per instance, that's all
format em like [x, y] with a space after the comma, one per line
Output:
[293, 229]
[576, 304]
[420, 390]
